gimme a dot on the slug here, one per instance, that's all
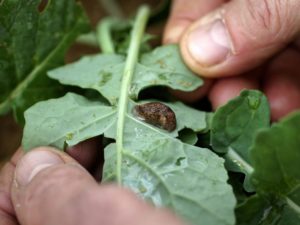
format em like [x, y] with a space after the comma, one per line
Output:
[156, 114]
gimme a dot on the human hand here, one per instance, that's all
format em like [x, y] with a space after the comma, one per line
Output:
[47, 187]
[237, 36]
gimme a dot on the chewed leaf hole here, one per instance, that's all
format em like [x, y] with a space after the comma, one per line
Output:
[179, 161]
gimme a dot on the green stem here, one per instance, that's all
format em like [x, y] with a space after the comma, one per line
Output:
[132, 58]
[235, 158]
[88, 39]
[293, 205]
[104, 36]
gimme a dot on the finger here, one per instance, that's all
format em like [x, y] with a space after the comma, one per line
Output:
[282, 84]
[51, 188]
[87, 153]
[239, 36]
[7, 213]
[183, 13]
[227, 88]
[193, 96]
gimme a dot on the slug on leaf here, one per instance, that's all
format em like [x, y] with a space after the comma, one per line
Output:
[156, 114]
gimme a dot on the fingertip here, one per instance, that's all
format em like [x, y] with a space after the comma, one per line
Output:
[34, 162]
[44, 181]
[227, 88]
[193, 96]
[233, 39]
[183, 14]
[282, 84]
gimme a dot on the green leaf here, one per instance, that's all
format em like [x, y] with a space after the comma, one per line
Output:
[255, 210]
[161, 67]
[234, 127]
[188, 179]
[188, 136]
[33, 42]
[73, 118]
[275, 158]
[67, 120]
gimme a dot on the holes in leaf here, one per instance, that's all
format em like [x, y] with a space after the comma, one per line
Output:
[179, 161]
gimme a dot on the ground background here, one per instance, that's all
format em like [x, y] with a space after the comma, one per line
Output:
[10, 132]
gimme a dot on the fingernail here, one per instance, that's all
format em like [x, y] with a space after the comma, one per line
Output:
[33, 163]
[209, 44]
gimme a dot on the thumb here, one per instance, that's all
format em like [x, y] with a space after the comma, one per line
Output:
[239, 36]
[45, 181]
[50, 188]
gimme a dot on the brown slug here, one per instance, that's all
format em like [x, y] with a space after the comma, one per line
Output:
[156, 114]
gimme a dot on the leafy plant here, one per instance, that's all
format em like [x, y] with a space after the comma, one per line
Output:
[33, 41]
[268, 156]
[149, 160]
[180, 169]
[234, 128]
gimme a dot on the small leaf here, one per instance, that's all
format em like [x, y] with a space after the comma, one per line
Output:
[234, 127]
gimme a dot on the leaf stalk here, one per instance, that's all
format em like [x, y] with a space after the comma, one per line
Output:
[132, 58]
[103, 34]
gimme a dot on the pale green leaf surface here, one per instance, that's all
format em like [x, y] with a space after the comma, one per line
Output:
[234, 127]
[167, 172]
[70, 119]
[164, 66]
[73, 119]
[96, 71]
[32, 42]
[185, 169]
[102, 72]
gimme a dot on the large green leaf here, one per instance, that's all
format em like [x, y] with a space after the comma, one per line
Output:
[167, 172]
[156, 165]
[234, 127]
[73, 118]
[163, 66]
[33, 42]
[189, 179]
[275, 158]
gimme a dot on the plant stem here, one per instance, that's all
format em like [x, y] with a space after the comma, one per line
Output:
[132, 58]
[88, 39]
[235, 158]
[104, 36]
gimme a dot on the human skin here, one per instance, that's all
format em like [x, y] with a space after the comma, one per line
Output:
[47, 187]
[239, 44]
